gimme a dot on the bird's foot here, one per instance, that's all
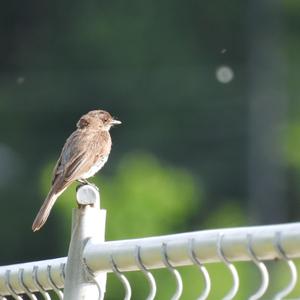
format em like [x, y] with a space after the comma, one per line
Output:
[85, 182]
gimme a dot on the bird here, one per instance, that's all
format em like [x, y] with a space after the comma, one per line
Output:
[83, 155]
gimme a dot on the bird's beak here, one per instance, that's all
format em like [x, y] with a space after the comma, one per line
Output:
[115, 122]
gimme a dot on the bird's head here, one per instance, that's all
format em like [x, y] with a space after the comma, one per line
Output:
[97, 119]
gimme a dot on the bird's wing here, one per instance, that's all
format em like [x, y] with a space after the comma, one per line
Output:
[78, 165]
[78, 155]
[57, 170]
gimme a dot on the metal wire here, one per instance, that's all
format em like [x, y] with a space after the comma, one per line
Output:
[149, 276]
[93, 276]
[176, 274]
[235, 276]
[62, 272]
[262, 268]
[58, 292]
[24, 286]
[196, 261]
[9, 286]
[293, 270]
[38, 285]
[122, 278]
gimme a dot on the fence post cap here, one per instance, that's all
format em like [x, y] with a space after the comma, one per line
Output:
[87, 195]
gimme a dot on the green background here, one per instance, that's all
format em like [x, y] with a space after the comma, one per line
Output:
[192, 153]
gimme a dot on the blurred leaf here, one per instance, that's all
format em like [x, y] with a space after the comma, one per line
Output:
[229, 214]
[146, 197]
[291, 144]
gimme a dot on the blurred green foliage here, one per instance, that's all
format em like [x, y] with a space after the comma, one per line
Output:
[291, 142]
[144, 196]
[157, 196]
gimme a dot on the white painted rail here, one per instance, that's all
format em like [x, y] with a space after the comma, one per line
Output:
[57, 274]
[234, 245]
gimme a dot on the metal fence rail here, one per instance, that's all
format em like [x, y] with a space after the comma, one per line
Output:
[256, 244]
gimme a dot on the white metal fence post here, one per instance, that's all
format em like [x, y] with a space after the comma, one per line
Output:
[88, 222]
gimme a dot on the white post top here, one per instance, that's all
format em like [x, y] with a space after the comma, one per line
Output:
[88, 222]
[88, 195]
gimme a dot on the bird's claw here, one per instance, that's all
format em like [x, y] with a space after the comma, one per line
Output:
[85, 182]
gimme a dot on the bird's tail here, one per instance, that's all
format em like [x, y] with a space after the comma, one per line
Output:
[44, 211]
